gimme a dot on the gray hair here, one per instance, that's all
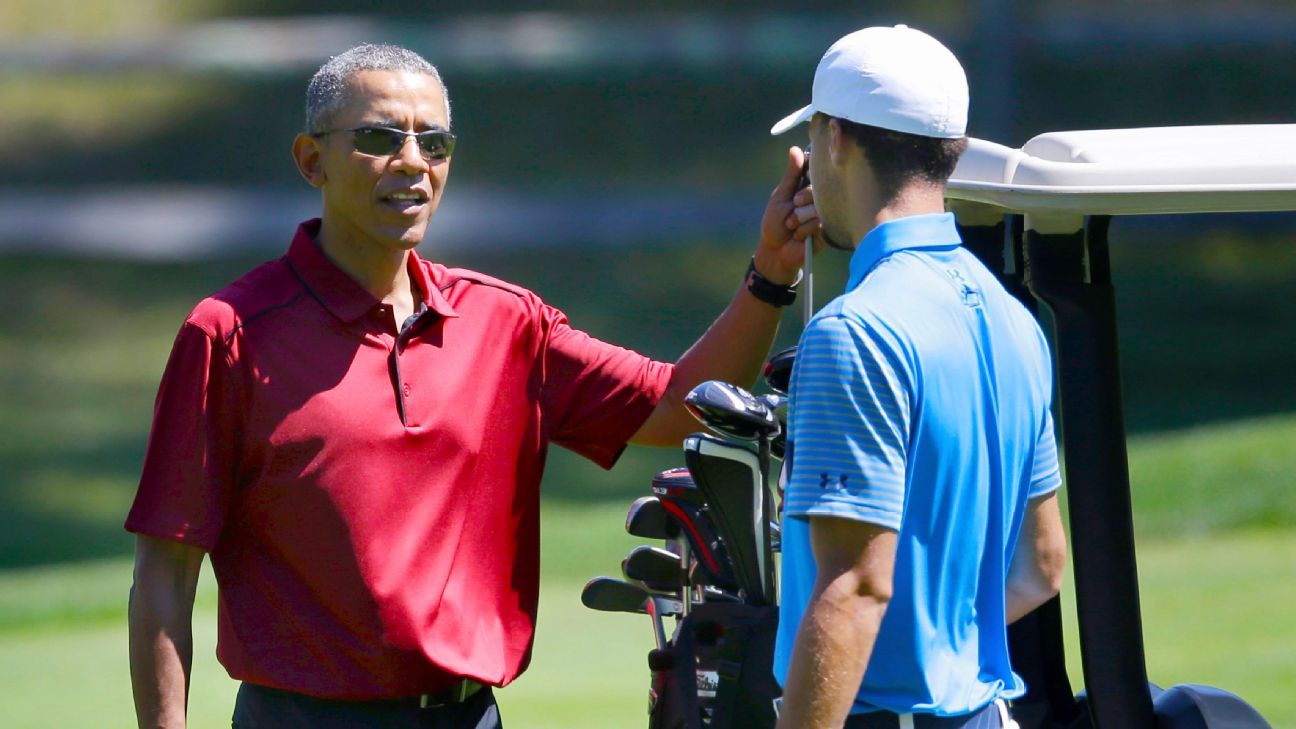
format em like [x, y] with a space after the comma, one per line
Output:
[327, 90]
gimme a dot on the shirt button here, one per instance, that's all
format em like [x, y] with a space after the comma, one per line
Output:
[406, 389]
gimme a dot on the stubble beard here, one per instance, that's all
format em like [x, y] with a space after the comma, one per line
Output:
[833, 240]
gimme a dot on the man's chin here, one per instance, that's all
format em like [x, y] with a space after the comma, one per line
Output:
[834, 241]
[407, 238]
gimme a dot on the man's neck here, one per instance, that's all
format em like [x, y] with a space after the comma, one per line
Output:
[910, 201]
[379, 270]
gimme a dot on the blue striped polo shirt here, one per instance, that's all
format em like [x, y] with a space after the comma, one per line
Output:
[920, 403]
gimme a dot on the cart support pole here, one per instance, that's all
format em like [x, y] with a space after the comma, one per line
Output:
[1067, 268]
[1035, 642]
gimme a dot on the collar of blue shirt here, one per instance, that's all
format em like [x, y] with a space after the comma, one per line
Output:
[934, 230]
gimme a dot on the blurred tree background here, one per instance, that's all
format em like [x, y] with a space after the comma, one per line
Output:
[613, 159]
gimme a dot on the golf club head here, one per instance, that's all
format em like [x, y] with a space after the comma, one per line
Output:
[731, 410]
[648, 520]
[731, 477]
[653, 566]
[778, 370]
[680, 497]
[610, 595]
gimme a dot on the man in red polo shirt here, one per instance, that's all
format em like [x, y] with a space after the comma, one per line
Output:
[355, 435]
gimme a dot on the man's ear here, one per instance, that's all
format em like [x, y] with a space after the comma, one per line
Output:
[308, 155]
[838, 144]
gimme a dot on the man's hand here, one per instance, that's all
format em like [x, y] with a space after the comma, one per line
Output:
[790, 217]
[735, 346]
[161, 636]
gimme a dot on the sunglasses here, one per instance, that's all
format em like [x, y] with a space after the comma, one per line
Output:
[386, 142]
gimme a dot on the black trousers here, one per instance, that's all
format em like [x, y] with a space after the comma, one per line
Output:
[258, 707]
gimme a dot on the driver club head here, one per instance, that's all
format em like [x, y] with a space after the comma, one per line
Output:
[731, 410]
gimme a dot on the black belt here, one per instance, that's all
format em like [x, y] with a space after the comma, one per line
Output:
[265, 706]
[456, 694]
[989, 715]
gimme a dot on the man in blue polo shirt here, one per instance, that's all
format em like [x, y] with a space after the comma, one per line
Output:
[921, 514]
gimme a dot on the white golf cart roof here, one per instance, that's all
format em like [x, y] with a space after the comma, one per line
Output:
[1135, 171]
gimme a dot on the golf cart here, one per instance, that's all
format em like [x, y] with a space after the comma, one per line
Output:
[1038, 216]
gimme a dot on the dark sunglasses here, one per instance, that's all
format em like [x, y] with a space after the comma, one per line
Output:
[385, 141]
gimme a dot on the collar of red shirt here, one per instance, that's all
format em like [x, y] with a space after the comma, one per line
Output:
[339, 293]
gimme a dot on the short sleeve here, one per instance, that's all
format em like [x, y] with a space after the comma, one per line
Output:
[596, 395]
[1046, 477]
[188, 476]
[849, 427]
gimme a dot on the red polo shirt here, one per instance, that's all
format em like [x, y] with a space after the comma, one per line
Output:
[369, 497]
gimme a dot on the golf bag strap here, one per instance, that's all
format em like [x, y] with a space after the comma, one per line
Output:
[738, 632]
[746, 632]
[686, 674]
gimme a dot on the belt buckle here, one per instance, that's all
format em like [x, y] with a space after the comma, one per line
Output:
[456, 694]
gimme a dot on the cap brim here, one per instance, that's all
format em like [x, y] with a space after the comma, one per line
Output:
[793, 119]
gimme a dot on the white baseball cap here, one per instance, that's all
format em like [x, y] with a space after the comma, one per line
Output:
[894, 78]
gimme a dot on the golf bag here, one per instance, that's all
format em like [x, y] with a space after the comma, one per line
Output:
[719, 670]
[716, 573]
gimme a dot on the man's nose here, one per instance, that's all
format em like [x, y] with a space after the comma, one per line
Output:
[409, 157]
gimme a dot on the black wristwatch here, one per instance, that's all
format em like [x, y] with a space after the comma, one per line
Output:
[768, 291]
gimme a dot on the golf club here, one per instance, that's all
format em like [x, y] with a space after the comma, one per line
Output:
[681, 499]
[729, 475]
[647, 519]
[778, 370]
[653, 565]
[731, 410]
[607, 594]
[733, 479]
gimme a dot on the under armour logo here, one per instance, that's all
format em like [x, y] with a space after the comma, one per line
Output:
[969, 295]
[825, 479]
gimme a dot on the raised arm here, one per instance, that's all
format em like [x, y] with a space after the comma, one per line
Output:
[1035, 574]
[161, 635]
[736, 345]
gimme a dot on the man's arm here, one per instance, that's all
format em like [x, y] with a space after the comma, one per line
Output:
[736, 345]
[855, 563]
[1035, 574]
[161, 636]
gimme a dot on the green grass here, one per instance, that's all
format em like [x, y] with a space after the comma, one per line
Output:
[1217, 612]
[1217, 478]
[1214, 612]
